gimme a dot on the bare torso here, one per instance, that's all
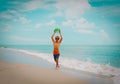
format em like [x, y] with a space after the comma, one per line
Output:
[56, 47]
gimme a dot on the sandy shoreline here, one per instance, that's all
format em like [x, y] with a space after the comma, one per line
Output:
[12, 73]
[20, 58]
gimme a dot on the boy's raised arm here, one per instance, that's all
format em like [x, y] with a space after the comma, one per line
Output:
[52, 37]
[60, 37]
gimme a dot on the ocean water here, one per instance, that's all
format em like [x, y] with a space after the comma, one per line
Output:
[103, 55]
[101, 60]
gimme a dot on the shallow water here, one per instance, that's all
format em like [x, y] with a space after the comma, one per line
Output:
[71, 65]
[109, 55]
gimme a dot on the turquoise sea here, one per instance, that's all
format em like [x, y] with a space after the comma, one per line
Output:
[105, 54]
[99, 60]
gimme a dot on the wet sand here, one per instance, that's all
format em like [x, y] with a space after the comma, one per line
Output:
[13, 73]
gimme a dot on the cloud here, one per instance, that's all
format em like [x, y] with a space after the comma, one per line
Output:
[68, 23]
[6, 14]
[83, 23]
[57, 14]
[22, 38]
[38, 25]
[51, 23]
[33, 5]
[79, 23]
[5, 27]
[14, 2]
[85, 31]
[72, 8]
[15, 16]
[37, 4]
[27, 39]
[104, 34]
[24, 20]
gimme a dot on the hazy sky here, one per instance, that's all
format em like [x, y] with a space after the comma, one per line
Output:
[83, 22]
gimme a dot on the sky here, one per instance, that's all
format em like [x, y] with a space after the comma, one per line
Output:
[82, 22]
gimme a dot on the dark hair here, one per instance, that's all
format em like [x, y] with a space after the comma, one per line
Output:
[57, 37]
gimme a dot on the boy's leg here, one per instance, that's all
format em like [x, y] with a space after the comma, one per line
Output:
[56, 57]
[57, 63]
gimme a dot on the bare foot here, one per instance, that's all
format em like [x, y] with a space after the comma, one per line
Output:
[57, 67]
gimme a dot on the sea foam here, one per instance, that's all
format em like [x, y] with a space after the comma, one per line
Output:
[75, 64]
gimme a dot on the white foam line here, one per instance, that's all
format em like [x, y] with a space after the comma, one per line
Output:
[106, 70]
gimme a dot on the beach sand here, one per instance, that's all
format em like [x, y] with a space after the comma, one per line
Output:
[13, 73]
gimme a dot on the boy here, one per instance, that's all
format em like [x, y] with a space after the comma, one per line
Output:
[56, 44]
